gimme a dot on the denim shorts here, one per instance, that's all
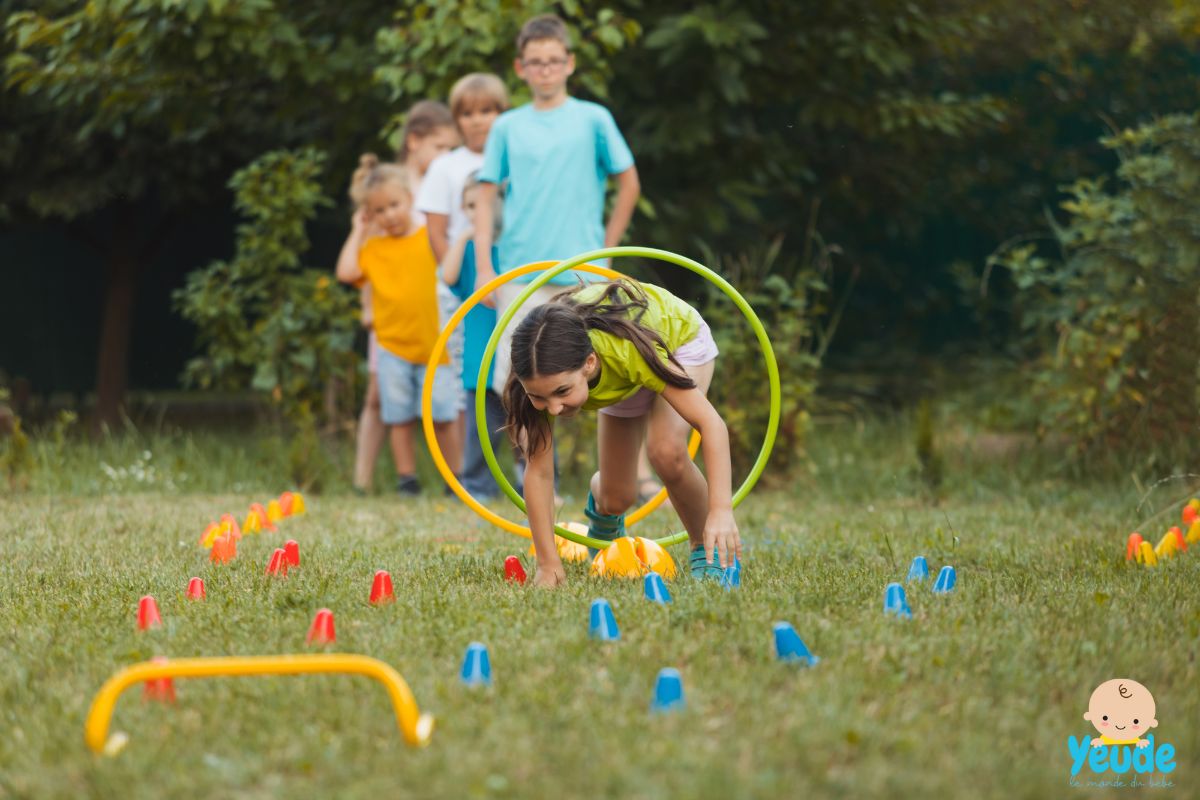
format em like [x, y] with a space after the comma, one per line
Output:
[400, 384]
[701, 349]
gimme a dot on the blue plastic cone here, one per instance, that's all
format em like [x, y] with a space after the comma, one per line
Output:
[945, 580]
[603, 625]
[668, 692]
[656, 588]
[731, 578]
[919, 571]
[894, 601]
[790, 647]
[477, 667]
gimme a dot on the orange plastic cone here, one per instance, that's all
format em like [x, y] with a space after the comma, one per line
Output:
[1189, 514]
[1180, 542]
[160, 689]
[285, 503]
[224, 549]
[264, 519]
[278, 564]
[381, 588]
[195, 590]
[147, 616]
[291, 551]
[1133, 546]
[321, 631]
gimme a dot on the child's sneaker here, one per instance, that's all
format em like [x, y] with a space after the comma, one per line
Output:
[408, 485]
[702, 569]
[608, 527]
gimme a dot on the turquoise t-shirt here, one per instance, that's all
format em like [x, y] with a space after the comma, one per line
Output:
[623, 371]
[557, 164]
[477, 325]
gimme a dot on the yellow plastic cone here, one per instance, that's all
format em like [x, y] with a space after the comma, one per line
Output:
[655, 557]
[252, 524]
[619, 559]
[1166, 546]
[210, 535]
[1148, 558]
[297, 504]
[274, 512]
[1193, 534]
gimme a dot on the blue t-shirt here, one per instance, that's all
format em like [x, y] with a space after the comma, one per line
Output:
[557, 163]
[477, 325]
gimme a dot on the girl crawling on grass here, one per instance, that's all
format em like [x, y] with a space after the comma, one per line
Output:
[645, 359]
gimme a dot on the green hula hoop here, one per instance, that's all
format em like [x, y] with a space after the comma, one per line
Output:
[764, 343]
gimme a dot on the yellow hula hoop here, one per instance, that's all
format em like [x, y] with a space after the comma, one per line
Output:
[435, 357]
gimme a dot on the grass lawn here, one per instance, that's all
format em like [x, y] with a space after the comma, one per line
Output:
[976, 695]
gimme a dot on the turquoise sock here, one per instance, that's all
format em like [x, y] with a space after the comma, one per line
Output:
[702, 569]
[602, 526]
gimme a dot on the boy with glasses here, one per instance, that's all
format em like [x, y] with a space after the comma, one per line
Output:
[556, 155]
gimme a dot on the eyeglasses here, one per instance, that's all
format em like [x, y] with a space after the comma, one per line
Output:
[553, 65]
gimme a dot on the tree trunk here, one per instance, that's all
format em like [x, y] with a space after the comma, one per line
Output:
[120, 285]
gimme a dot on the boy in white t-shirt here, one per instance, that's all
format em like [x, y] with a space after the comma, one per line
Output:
[475, 102]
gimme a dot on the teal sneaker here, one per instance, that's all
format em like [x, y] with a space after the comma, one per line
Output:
[602, 526]
[701, 569]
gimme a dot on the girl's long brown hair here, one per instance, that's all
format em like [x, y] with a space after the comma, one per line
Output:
[553, 338]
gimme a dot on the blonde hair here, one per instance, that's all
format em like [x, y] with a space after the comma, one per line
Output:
[371, 174]
[423, 119]
[478, 88]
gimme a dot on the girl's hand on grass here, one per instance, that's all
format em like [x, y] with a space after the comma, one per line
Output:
[721, 538]
[547, 577]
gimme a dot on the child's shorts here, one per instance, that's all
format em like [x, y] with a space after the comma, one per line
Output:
[400, 384]
[700, 350]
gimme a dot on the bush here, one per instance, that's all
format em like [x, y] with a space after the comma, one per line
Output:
[1115, 318]
[792, 295]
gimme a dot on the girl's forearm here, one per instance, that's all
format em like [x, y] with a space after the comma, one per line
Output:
[714, 438]
[539, 504]
[451, 266]
[348, 270]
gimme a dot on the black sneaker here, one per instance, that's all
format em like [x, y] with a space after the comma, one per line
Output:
[408, 485]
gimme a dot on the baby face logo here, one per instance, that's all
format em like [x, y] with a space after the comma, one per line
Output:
[1122, 711]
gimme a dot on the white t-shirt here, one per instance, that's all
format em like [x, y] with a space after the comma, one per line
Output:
[441, 189]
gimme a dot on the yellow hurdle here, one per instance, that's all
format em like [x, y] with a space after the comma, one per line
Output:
[414, 726]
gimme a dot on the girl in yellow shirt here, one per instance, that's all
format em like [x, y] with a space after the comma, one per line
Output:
[400, 267]
[644, 359]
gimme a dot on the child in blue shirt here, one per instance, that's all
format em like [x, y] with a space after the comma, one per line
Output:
[458, 271]
[556, 155]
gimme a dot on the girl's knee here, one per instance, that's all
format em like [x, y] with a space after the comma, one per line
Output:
[669, 459]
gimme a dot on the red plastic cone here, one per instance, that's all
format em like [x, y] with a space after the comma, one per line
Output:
[224, 549]
[1180, 542]
[1133, 546]
[148, 614]
[381, 588]
[291, 550]
[1189, 514]
[513, 571]
[279, 564]
[321, 631]
[161, 689]
[195, 589]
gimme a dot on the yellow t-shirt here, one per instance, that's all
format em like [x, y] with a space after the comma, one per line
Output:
[623, 371]
[403, 276]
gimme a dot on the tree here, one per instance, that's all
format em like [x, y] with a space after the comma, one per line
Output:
[122, 115]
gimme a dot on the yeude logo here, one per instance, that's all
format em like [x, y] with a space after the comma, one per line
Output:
[1122, 712]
